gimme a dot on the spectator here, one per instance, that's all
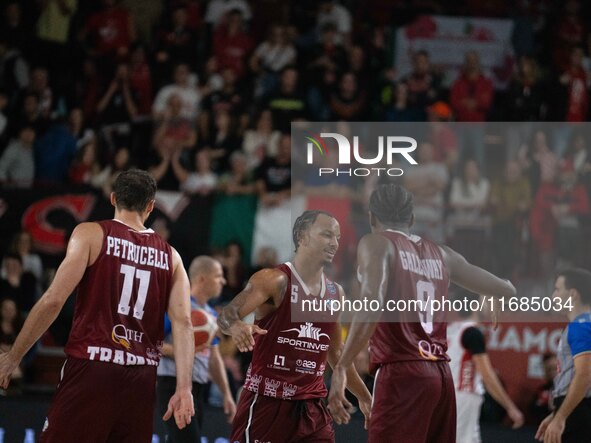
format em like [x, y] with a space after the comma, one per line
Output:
[232, 44]
[239, 180]
[541, 405]
[11, 322]
[184, 87]
[234, 270]
[567, 34]
[399, 110]
[203, 181]
[423, 84]
[266, 257]
[469, 196]
[538, 161]
[427, 181]
[269, 59]
[261, 141]
[471, 94]
[40, 86]
[349, 103]
[109, 32]
[510, 200]
[329, 11]
[54, 151]
[223, 142]
[29, 115]
[140, 79]
[444, 139]
[555, 219]
[78, 128]
[18, 35]
[575, 89]
[327, 54]
[17, 163]
[14, 70]
[217, 11]
[118, 104]
[273, 177]
[86, 165]
[286, 103]
[174, 132]
[17, 284]
[105, 179]
[525, 101]
[319, 93]
[177, 42]
[87, 89]
[22, 244]
[577, 154]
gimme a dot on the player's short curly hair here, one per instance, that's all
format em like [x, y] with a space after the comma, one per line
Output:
[392, 204]
[303, 223]
[134, 189]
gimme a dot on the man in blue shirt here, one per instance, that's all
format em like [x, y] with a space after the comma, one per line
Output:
[207, 280]
[571, 420]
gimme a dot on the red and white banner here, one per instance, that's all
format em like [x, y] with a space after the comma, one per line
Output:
[448, 39]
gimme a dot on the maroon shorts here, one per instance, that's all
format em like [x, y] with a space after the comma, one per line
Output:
[413, 402]
[271, 420]
[101, 402]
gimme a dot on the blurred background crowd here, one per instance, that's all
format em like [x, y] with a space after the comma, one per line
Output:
[202, 93]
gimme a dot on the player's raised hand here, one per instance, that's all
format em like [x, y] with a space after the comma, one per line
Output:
[182, 407]
[338, 405]
[243, 335]
[7, 367]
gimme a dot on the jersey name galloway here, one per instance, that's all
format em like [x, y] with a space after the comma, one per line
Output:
[430, 268]
[143, 255]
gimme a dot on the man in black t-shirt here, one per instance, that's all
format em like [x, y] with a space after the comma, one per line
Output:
[273, 176]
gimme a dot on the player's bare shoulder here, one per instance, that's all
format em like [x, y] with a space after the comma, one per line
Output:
[271, 281]
[374, 244]
[88, 236]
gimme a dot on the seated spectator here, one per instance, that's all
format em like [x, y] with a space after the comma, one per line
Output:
[537, 160]
[185, 88]
[525, 96]
[239, 181]
[17, 163]
[541, 405]
[54, 152]
[223, 142]
[28, 115]
[273, 176]
[232, 44]
[11, 323]
[175, 130]
[17, 284]
[577, 153]
[17, 31]
[427, 181]
[14, 70]
[269, 59]
[399, 109]
[469, 196]
[261, 141]
[217, 11]
[41, 87]
[286, 103]
[86, 164]
[568, 33]
[329, 11]
[78, 128]
[22, 244]
[177, 41]
[328, 53]
[160, 166]
[444, 138]
[203, 181]
[319, 93]
[140, 79]
[572, 104]
[118, 105]
[348, 102]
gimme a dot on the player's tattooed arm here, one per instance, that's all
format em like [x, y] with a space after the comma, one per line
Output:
[474, 278]
[264, 289]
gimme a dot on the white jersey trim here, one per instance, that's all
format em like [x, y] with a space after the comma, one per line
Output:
[250, 410]
[303, 285]
[145, 231]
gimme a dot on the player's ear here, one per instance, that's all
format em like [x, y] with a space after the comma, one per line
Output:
[412, 220]
[150, 206]
[113, 199]
[372, 219]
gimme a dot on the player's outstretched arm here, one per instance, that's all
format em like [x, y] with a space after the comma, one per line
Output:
[84, 241]
[496, 390]
[265, 286]
[179, 312]
[474, 278]
[373, 258]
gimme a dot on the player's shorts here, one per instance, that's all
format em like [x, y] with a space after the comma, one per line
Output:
[468, 410]
[578, 423]
[271, 420]
[98, 402]
[413, 402]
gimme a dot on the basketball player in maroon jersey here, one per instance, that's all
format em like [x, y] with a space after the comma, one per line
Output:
[126, 277]
[283, 396]
[414, 399]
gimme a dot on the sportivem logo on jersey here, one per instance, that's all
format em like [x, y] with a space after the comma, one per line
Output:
[305, 331]
[388, 148]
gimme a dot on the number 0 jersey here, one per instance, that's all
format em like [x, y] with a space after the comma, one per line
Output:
[289, 361]
[122, 298]
[417, 273]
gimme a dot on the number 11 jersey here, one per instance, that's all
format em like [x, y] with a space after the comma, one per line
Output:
[122, 298]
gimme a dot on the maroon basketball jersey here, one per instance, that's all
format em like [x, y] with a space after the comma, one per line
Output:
[289, 361]
[122, 298]
[418, 272]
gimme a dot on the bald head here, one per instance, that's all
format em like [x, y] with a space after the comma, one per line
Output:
[202, 265]
[207, 278]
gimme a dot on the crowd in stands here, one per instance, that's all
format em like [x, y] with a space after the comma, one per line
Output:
[202, 93]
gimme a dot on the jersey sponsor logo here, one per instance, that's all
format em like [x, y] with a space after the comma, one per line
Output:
[124, 336]
[289, 390]
[98, 353]
[431, 351]
[271, 386]
[430, 268]
[308, 331]
[305, 366]
[278, 363]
